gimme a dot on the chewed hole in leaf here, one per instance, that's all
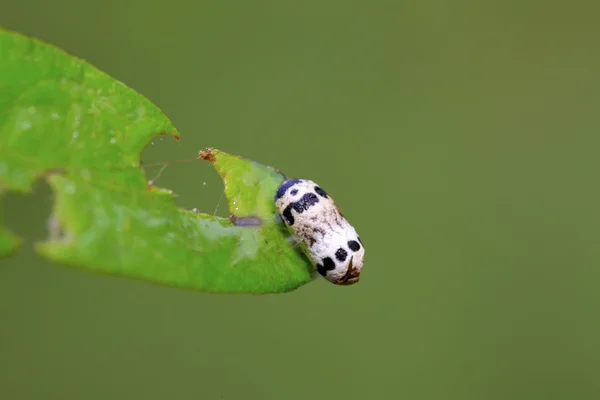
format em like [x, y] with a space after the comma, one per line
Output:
[36, 222]
[194, 185]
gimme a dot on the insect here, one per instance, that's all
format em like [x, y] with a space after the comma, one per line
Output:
[331, 242]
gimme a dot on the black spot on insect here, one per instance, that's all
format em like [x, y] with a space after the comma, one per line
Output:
[305, 202]
[321, 270]
[294, 192]
[285, 186]
[341, 254]
[320, 192]
[328, 265]
[353, 245]
[311, 240]
[287, 215]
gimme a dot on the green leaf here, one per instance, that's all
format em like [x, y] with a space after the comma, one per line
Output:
[64, 121]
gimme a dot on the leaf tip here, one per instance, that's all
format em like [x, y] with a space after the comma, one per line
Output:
[207, 154]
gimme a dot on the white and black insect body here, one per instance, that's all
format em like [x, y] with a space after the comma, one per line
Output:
[332, 243]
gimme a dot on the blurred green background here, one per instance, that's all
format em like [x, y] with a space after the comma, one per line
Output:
[460, 138]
